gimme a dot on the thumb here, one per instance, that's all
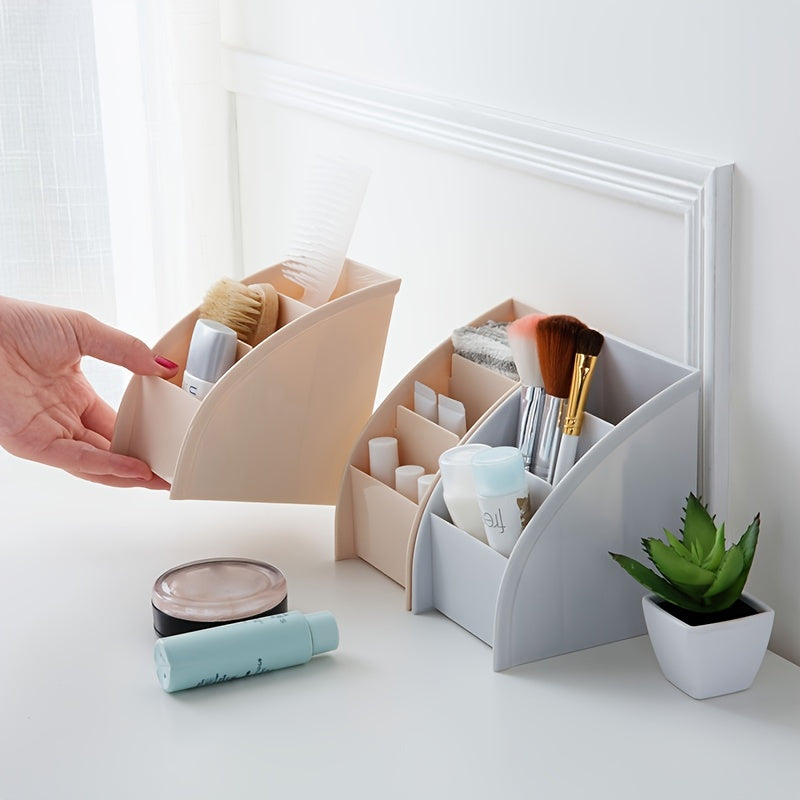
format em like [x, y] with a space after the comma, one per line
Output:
[117, 347]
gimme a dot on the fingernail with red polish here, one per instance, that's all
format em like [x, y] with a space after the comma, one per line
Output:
[165, 362]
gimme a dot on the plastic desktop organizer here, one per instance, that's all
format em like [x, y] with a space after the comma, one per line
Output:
[559, 590]
[279, 425]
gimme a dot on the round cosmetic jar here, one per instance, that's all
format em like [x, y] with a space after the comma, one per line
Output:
[216, 591]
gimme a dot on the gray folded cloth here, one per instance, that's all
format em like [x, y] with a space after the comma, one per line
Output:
[486, 345]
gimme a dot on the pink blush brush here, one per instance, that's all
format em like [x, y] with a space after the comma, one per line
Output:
[524, 350]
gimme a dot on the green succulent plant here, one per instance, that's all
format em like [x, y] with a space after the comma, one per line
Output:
[699, 574]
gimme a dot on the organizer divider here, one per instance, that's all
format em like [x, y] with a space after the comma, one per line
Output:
[381, 520]
[465, 577]
[421, 441]
[477, 387]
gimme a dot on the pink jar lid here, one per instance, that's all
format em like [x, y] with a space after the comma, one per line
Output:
[216, 591]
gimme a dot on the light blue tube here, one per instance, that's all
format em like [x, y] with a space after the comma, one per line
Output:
[239, 649]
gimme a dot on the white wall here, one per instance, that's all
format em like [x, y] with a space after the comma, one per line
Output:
[707, 77]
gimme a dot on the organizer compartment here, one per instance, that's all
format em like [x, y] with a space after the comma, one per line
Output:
[464, 573]
[381, 521]
[559, 590]
[378, 528]
[279, 425]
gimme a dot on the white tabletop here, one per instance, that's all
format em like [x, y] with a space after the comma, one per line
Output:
[408, 706]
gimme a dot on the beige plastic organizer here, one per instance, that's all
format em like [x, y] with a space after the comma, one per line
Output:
[373, 521]
[280, 424]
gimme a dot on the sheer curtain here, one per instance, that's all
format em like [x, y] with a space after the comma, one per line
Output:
[54, 240]
[117, 163]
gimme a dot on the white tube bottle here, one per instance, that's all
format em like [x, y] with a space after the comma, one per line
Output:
[383, 459]
[503, 499]
[458, 488]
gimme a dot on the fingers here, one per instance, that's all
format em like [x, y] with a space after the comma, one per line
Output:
[124, 483]
[89, 460]
[117, 347]
[100, 417]
[98, 421]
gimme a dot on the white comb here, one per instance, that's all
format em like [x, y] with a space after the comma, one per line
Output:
[324, 227]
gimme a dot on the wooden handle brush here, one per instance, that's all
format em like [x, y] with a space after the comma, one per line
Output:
[556, 341]
[587, 348]
[251, 310]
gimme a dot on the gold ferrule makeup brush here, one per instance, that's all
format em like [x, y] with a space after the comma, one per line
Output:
[522, 340]
[587, 348]
[556, 340]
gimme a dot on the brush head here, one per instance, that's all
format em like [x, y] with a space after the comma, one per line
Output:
[251, 311]
[589, 342]
[556, 339]
[522, 340]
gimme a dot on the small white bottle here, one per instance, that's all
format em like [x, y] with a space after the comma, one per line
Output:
[383, 458]
[458, 488]
[424, 482]
[502, 488]
[405, 480]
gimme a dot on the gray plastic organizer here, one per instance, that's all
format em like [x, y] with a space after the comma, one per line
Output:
[559, 590]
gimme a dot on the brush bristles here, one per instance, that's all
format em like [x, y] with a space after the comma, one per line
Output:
[233, 304]
[525, 327]
[522, 340]
[589, 342]
[556, 337]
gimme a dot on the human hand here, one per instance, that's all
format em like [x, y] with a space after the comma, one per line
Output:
[48, 410]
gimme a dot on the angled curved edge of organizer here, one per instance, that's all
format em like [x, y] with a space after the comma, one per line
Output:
[373, 521]
[559, 590]
[279, 425]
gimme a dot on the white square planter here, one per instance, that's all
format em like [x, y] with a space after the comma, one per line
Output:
[709, 660]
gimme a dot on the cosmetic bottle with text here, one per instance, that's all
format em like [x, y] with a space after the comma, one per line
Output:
[240, 649]
[503, 499]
